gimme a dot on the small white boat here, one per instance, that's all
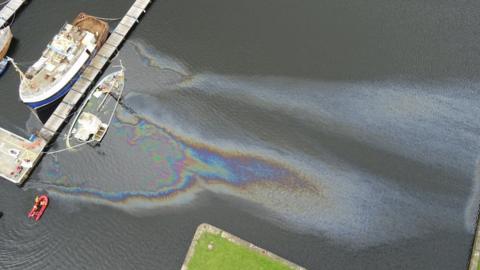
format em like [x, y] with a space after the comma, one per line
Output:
[96, 112]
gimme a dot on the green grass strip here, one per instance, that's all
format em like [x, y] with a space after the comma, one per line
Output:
[226, 255]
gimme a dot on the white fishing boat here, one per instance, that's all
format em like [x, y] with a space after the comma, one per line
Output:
[96, 112]
[63, 61]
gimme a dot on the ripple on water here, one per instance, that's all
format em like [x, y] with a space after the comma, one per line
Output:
[152, 156]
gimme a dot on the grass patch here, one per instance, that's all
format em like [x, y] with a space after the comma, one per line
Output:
[214, 252]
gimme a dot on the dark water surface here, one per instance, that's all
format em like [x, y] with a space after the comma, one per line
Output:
[337, 134]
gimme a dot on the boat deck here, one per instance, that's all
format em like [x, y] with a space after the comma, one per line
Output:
[41, 80]
[18, 156]
[96, 105]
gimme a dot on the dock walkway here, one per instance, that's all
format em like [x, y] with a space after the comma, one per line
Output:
[9, 9]
[16, 166]
[54, 123]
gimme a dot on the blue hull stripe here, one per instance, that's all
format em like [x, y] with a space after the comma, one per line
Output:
[64, 90]
[59, 94]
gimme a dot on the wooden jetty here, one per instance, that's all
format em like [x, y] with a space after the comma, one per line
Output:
[9, 9]
[56, 121]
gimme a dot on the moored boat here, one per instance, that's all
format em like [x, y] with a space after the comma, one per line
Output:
[63, 61]
[6, 37]
[39, 206]
[3, 65]
[96, 112]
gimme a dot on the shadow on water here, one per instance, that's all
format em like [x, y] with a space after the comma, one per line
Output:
[45, 112]
[13, 46]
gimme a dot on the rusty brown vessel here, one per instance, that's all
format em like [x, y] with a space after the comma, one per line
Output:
[93, 25]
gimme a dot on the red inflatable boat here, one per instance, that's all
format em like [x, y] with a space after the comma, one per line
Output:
[39, 207]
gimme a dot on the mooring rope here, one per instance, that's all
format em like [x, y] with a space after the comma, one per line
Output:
[67, 148]
[4, 2]
[89, 141]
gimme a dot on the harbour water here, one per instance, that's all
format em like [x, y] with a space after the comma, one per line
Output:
[338, 135]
